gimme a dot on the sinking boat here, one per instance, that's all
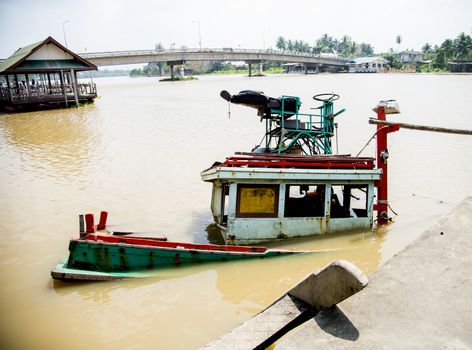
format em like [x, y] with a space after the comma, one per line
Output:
[292, 185]
[108, 257]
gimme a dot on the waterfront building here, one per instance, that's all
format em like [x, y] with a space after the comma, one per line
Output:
[44, 75]
[410, 56]
[373, 64]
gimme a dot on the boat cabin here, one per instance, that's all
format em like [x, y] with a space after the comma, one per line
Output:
[291, 185]
[252, 202]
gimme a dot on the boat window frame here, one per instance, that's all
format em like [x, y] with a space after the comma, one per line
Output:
[322, 202]
[346, 205]
[273, 214]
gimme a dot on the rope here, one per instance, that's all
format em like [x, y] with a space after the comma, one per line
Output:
[373, 136]
[393, 211]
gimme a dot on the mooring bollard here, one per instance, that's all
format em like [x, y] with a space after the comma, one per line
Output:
[103, 220]
[89, 223]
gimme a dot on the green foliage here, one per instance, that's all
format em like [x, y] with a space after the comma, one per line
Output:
[280, 43]
[462, 47]
[215, 66]
[178, 78]
[458, 49]
[392, 60]
[398, 39]
[344, 46]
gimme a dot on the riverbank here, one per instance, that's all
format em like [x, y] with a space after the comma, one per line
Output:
[418, 299]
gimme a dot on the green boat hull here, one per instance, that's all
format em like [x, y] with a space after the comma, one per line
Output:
[104, 257]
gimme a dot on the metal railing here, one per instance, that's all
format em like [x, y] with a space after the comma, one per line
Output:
[44, 92]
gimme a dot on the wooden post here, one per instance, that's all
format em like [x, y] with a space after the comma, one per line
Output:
[9, 87]
[17, 85]
[49, 82]
[64, 88]
[73, 77]
[422, 127]
[28, 90]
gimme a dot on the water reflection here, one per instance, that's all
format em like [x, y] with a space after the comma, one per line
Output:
[57, 143]
[248, 284]
[138, 152]
[213, 234]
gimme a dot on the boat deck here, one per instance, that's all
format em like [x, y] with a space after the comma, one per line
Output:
[269, 160]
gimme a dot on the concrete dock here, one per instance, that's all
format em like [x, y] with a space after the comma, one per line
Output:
[420, 299]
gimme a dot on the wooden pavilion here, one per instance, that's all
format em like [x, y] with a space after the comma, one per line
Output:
[44, 75]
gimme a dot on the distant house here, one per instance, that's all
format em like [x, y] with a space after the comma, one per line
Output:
[410, 56]
[460, 66]
[373, 64]
[44, 74]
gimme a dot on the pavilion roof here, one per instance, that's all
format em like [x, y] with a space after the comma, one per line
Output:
[20, 61]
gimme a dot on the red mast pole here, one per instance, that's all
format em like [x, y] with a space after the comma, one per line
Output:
[382, 155]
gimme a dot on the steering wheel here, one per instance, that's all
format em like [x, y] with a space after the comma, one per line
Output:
[326, 97]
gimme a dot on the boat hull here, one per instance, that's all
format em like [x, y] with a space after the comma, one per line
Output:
[93, 258]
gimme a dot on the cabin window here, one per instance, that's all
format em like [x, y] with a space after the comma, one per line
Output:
[257, 201]
[304, 201]
[349, 201]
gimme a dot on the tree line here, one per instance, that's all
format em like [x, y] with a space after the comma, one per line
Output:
[458, 49]
[345, 46]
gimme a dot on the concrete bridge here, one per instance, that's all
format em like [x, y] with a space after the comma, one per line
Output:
[177, 57]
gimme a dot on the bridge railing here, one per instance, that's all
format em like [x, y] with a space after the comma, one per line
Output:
[111, 54]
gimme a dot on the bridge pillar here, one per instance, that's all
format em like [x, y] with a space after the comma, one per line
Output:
[249, 63]
[171, 65]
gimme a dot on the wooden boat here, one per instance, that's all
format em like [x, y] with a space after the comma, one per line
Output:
[293, 184]
[105, 257]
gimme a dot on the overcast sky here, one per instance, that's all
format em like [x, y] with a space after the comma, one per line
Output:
[101, 25]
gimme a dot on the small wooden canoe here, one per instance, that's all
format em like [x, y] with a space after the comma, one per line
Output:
[104, 257]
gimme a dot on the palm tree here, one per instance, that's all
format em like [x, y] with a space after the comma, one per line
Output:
[398, 40]
[343, 45]
[448, 47]
[462, 46]
[325, 42]
[367, 49]
[280, 44]
[353, 48]
[426, 48]
[159, 65]
[289, 45]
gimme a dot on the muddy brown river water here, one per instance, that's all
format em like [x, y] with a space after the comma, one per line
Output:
[138, 152]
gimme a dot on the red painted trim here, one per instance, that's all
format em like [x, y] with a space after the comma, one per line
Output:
[382, 184]
[158, 243]
[301, 162]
